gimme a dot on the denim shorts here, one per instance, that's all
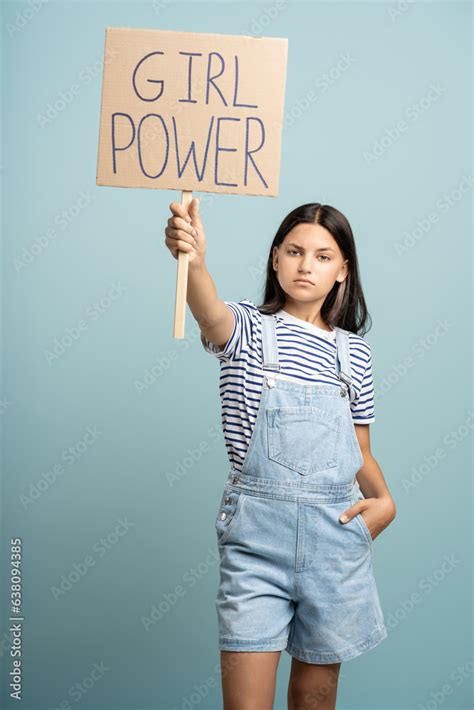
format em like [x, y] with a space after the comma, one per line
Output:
[292, 576]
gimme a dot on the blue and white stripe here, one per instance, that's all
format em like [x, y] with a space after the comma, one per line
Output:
[307, 354]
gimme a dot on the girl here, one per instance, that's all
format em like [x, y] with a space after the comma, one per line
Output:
[296, 526]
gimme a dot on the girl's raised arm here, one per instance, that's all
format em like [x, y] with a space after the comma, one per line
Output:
[185, 232]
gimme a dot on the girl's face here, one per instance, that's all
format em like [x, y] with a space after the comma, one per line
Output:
[308, 252]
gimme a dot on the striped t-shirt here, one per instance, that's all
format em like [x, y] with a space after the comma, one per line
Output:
[306, 353]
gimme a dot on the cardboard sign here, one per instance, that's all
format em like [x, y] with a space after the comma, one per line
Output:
[192, 111]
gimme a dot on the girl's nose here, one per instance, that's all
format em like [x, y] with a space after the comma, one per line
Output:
[305, 265]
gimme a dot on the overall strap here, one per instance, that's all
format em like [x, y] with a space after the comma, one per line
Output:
[343, 363]
[269, 343]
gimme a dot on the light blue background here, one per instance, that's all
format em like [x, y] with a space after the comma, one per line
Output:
[419, 299]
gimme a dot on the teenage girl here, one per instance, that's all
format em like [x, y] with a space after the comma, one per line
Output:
[305, 498]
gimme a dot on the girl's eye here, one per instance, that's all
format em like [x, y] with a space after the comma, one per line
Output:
[294, 251]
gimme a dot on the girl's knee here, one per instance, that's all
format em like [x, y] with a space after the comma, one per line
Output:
[313, 686]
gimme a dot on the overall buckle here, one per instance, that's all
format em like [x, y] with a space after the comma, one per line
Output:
[347, 381]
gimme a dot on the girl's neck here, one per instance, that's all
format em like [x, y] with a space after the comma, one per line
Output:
[315, 321]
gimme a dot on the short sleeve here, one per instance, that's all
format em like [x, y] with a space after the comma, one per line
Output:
[245, 317]
[363, 407]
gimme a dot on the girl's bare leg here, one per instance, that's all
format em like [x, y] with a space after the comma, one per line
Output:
[248, 679]
[312, 686]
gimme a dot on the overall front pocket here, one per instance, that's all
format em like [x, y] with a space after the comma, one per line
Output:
[229, 509]
[303, 438]
[364, 527]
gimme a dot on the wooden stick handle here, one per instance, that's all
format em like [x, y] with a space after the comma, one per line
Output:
[181, 279]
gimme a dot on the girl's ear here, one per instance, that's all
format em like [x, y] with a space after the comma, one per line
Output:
[344, 270]
[275, 256]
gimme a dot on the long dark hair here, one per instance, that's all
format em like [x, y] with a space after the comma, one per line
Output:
[344, 305]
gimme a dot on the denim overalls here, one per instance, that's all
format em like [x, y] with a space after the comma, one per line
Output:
[291, 575]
